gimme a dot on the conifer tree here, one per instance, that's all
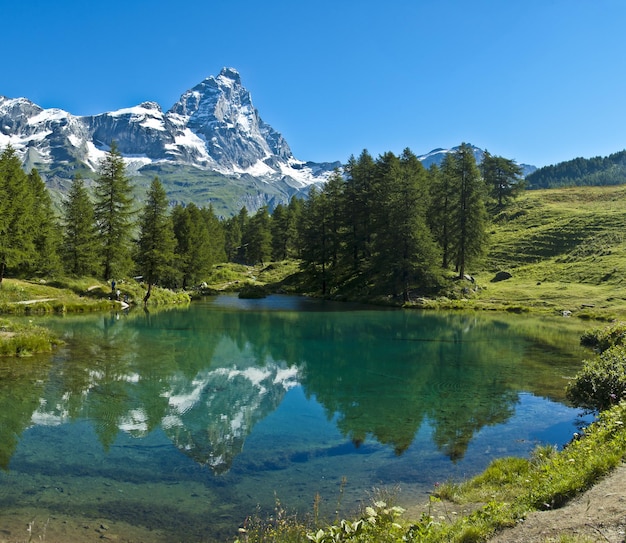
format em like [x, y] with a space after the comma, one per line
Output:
[294, 208]
[360, 201]
[405, 252]
[468, 210]
[442, 198]
[215, 232]
[193, 246]
[79, 245]
[46, 232]
[156, 243]
[315, 239]
[257, 237]
[114, 211]
[503, 178]
[280, 232]
[16, 216]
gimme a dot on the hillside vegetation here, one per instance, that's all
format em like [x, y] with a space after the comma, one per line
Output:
[565, 249]
[609, 170]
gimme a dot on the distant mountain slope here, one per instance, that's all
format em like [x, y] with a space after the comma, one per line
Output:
[436, 156]
[598, 171]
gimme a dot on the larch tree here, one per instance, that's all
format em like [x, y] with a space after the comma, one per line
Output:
[469, 214]
[257, 237]
[16, 213]
[314, 234]
[156, 242]
[114, 214]
[360, 200]
[503, 178]
[440, 217]
[405, 250]
[193, 246]
[46, 232]
[79, 245]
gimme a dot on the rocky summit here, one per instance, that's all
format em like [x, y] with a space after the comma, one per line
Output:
[210, 147]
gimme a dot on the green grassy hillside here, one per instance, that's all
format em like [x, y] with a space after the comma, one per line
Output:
[565, 249]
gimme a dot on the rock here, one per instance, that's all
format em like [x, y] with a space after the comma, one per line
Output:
[501, 276]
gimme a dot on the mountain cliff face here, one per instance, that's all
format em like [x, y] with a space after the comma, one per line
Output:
[213, 137]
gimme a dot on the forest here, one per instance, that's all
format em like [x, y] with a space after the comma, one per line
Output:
[596, 171]
[380, 226]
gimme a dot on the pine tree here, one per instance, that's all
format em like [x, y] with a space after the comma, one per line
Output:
[16, 214]
[503, 178]
[216, 235]
[114, 212]
[156, 241]
[405, 252]
[468, 211]
[442, 197]
[46, 234]
[79, 245]
[314, 236]
[257, 237]
[360, 201]
[193, 247]
[280, 232]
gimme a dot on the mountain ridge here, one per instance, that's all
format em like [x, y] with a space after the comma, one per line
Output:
[210, 147]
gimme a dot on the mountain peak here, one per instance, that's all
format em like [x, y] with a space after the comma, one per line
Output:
[230, 73]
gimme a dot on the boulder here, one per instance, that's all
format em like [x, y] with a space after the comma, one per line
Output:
[501, 276]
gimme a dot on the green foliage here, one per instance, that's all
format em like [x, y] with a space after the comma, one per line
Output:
[155, 246]
[198, 242]
[24, 340]
[256, 237]
[503, 179]
[17, 222]
[610, 170]
[46, 232]
[113, 213]
[79, 246]
[602, 381]
[603, 338]
[468, 218]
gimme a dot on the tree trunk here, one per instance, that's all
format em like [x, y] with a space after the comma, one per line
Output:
[147, 296]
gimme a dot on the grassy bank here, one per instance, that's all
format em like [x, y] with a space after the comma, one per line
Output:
[20, 297]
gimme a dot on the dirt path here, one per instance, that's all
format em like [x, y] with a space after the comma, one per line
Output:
[597, 515]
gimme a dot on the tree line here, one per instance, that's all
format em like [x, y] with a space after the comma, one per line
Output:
[596, 171]
[384, 225]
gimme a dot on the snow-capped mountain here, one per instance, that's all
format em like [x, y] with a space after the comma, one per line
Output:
[214, 127]
[436, 156]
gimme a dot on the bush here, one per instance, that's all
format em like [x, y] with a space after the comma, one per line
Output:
[602, 381]
[603, 338]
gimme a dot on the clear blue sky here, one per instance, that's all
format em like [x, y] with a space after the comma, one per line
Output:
[539, 81]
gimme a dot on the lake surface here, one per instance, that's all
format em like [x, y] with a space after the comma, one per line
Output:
[182, 423]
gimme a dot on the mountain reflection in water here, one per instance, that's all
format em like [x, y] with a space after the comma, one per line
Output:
[211, 377]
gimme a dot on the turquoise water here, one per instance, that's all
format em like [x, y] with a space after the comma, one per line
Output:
[184, 422]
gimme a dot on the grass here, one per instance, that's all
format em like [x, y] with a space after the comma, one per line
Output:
[24, 339]
[70, 295]
[566, 251]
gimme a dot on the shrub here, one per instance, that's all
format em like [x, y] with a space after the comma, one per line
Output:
[602, 381]
[603, 338]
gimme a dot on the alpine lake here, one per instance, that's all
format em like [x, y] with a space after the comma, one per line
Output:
[177, 425]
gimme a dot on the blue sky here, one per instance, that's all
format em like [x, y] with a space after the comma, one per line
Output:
[539, 81]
